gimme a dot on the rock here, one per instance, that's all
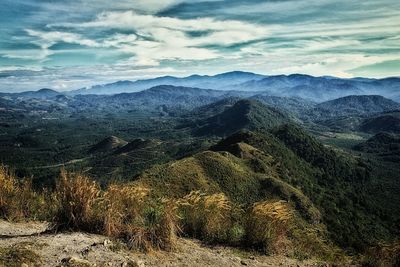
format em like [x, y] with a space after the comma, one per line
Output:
[86, 251]
[107, 243]
[133, 263]
[76, 261]
[243, 262]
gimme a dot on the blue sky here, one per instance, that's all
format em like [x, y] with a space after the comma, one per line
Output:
[72, 44]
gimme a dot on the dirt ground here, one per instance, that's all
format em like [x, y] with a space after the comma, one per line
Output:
[81, 249]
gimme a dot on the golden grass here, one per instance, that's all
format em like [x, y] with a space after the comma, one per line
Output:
[206, 216]
[17, 199]
[8, 192]
[267, 225]
[130, 213]
[75, 198]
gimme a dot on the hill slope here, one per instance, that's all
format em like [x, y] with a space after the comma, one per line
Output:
[384, 145]
[385, 122]
[108, 144]
[288, 164]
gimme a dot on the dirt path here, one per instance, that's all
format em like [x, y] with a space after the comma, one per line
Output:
[96, 250]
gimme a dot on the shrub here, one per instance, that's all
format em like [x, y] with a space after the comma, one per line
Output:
[8, 193]
[143, 222]
[208, 217]
[17, 199]
[76, 197]
[123, 205]
[382, 255]
[267, 225]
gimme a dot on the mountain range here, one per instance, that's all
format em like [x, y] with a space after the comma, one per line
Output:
[317, 89]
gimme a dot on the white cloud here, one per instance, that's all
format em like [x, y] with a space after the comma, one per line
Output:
[169, 37]
[47, 39]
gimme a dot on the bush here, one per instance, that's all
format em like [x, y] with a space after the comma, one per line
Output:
[17, 199]
[76, 197]
[8, 193]
[209, 217]
[144, 223]
[267, 225]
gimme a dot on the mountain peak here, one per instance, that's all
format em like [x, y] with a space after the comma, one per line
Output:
[244, 114]
[108, 144]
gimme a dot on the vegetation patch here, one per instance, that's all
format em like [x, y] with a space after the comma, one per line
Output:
[16, 256]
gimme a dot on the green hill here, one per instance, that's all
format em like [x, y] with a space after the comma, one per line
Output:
[244, 114]
[386, 122]
[286, 164]
[384, 145]
[108, 144]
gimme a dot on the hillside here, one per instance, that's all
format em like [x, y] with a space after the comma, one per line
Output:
[108, 144]
[384, 145]
[290, 163]
[386, 122]
[289, 104]
[244, 114]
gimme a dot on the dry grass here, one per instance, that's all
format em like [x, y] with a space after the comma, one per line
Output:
[75, 198]
[146, 222]
[131, 214]
[17, 199]
[15, 256]
[383, 255]
[208, 217]
[8, 193]
[267, 225]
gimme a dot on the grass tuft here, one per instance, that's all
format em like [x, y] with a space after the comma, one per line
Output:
[267, 225]
[75, 197]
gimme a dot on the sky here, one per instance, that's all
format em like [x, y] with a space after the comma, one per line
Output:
[67, 45]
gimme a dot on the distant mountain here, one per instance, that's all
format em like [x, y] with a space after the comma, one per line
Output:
[244, 114]
[164, 99]
[108, 144]
[221, 82]
[314, 89]
[106, 89]
[386, 122]
[44, 93]
[322, 88]
[353, 105]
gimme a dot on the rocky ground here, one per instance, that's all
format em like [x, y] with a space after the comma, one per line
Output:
[28, 244]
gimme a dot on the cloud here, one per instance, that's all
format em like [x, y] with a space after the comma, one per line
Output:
[47, 39]
[167, 38]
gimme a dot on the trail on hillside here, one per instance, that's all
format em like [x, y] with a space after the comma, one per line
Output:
[54, 249]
